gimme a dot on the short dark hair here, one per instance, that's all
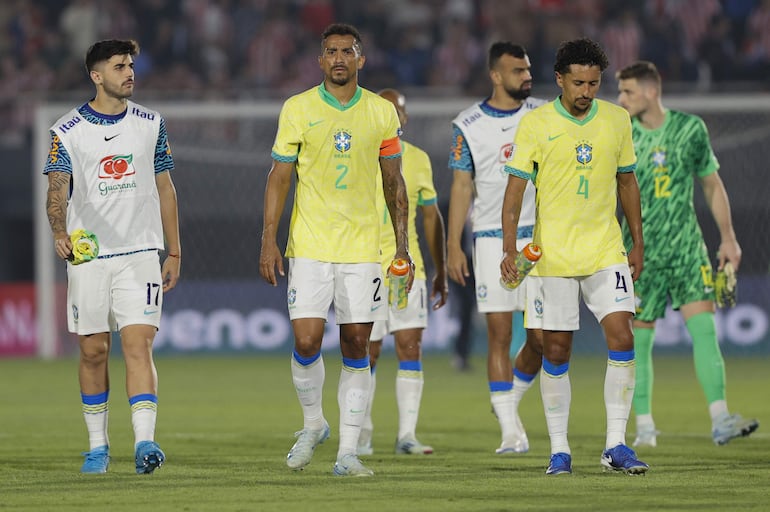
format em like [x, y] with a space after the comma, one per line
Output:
[342, 29]
[582, 51]
[105, 50]
[642, 71]
[500, 48]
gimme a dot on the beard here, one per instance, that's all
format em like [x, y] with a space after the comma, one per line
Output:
[342, 80]
[118, 91]
[519, 94]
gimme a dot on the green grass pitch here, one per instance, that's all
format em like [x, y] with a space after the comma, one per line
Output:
[226, 424]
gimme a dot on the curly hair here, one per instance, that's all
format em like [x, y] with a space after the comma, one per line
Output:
[580, 51]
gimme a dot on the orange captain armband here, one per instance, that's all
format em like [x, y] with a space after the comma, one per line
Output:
[390, 147]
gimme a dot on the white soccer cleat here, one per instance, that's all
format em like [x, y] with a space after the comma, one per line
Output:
[646, 436]
[307, 439]
[517, 443]
[350, 465]
[365, 442]
[732, 426]
[411, 446]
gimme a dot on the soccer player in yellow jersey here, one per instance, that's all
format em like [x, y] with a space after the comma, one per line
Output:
[336, 139]
[578, 152]
[407, 324]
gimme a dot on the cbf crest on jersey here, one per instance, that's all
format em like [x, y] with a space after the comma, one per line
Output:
[342, 141]
[584, 153]
[659, 159]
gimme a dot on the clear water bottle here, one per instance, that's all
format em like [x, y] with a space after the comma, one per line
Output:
[525, 261]
[398, 274]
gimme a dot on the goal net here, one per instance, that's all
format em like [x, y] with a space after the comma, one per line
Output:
[222, 157]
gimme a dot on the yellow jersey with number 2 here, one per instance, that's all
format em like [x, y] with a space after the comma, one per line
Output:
[336, 150]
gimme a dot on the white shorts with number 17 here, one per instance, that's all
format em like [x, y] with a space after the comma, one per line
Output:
[107, 294]
[356, 289]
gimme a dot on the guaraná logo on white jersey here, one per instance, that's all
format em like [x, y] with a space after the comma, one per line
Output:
[116, 167]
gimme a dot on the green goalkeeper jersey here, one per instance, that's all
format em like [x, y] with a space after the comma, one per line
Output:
[669, 159]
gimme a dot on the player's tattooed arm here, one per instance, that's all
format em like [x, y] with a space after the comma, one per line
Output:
[397, 201]
[56, 204]
[56, 207]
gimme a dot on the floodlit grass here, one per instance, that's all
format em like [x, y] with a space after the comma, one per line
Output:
[226, 424]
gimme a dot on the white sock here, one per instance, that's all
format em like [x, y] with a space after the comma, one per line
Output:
[718, 410]
[520, 386]
[352, 397]
[96, 414]
[503, 402]
[557, 395]
[619, 383]
[144, 414]
[408, 396]
[644, 421]
[144, 421]
[368, 424]
[96, 423]
[309, 383]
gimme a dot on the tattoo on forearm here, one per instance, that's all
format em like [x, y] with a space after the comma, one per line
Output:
[56, 203]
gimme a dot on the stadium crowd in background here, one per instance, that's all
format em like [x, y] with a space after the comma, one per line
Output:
[261, 48]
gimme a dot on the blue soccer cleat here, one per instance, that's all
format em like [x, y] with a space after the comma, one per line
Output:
[561, 464]
[622, 458]
[97, 460]
[149, 457]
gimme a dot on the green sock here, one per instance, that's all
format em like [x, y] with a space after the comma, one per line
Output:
[709, 365]
[643, 338]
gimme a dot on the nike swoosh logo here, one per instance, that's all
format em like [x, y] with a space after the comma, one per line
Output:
[620, 299]
[107, 139]
[554, 137]
[356, 411]
[150, 311]
[508, 128]
[313, 123]
[375, 308]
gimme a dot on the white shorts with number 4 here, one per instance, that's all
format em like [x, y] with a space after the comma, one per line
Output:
[356, 289]
[553, 302]
[107, 294]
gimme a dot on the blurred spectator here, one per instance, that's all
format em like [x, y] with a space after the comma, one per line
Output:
[267, 48]
[622, 38]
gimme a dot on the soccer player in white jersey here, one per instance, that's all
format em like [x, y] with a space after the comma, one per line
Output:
[578, 152]
[407, 324]
[337, 138]
[482, 143]
[109, 173]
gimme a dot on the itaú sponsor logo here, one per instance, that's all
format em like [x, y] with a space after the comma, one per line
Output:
[744, 325]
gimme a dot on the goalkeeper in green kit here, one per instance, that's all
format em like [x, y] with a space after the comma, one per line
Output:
[672, 149]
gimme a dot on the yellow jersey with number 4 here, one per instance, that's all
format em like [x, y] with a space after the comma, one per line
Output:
[574, 164]
[336, 150]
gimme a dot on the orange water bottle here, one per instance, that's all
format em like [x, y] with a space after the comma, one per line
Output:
[525, 261]
[398, 274]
